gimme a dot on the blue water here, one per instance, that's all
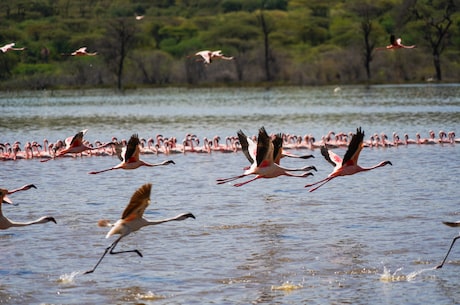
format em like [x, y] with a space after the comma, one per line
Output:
[371, 238]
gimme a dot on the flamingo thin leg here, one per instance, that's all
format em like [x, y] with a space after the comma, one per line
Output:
[444, 260]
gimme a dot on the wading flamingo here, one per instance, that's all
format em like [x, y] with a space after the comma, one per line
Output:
[5, 223]
[10, 47]
[132, 220]
[22, 188]
[263, 157]
[396, 44]
[75, 145]
[349, 164]
[129, 157]
[208, 56]
[450, 224]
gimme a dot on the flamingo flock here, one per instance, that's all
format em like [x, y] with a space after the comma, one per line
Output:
[264, 153]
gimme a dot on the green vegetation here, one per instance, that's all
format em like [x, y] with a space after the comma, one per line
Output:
[289, 42]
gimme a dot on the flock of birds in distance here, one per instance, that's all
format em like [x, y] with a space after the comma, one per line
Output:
[264, 153]
[205, 56]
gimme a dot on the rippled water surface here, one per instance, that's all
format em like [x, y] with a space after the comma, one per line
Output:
[371, 238]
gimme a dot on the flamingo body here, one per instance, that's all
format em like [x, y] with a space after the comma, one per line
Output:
[132, 220]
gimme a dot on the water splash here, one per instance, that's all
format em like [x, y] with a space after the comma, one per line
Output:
[149, 296]
[287, 286]
[397, 276]
[68, 278]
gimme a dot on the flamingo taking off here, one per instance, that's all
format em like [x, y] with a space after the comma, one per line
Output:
[132, 220]
[208, 56]
[22, 188]
[395, 43]
[5, 223]
[129, 157]
[264, 158]
[75, 145]
[450, 224]
[10, 47]
[349, 164]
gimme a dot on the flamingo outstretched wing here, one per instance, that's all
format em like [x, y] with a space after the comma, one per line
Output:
[138, 203]
[355, 147]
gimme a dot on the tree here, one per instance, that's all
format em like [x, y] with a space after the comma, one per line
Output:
[436, 17]
[119, 40]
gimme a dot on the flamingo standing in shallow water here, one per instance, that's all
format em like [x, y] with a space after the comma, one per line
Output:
[450, 224]
[349, 164]
[5, 223]
[264, 158]
[130, 157]
[132, 220]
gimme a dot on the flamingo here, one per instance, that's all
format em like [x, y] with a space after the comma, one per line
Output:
[5, 223]
[81, 52]
[450, 224]
[208, 56]
[264, 158]
[75, 145]
[129, 157]
[132, 220]
[396, 44]
[22, 188]
[349, 164]
[10, 47]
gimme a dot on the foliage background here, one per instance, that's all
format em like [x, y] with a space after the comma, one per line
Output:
[302, 42]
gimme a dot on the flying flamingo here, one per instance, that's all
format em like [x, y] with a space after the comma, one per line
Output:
[22, 188]
[207, 56]
[264, 158]
[129, 157]
[81, 52]
[349, 164]
[396, 44]
[450, 224]
[75, 145]
[132, 220]
[5, 223]
[10, 47]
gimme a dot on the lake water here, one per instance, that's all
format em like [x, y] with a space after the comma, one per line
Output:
[371, 238]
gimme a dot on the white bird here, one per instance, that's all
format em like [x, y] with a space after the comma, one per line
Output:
[208, 56]
[132, 220]
[10, 47]
[81, 52]
[5, 223]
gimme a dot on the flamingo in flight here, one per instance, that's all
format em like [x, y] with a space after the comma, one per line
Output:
[75, 145]
[349, 164]
[22, 188]
[5, 223]
[132, 220]
[264, 158]
[450, 224]
[395, 43]
[208, 56]
[81, 52]
[129, 157]
[10, 47]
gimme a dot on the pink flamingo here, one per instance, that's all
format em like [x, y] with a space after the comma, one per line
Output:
[81, 52]
[5, 223]
[208, 56]
[129, 156]
[22, 188]
[10, 47]
[396, 44]
[76, 145]
[132, 220]
[263, 157]
[450, 224]
[349, 164]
